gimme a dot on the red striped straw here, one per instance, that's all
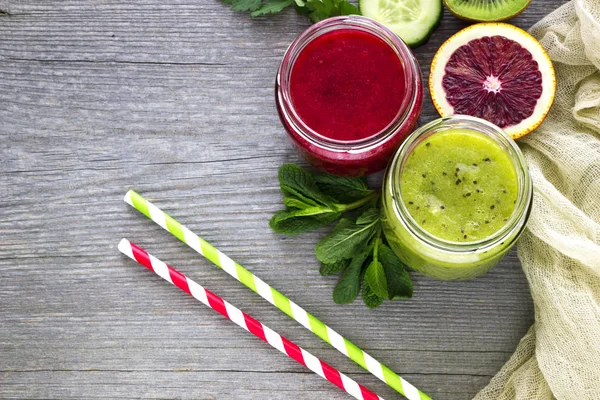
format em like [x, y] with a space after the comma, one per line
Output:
[245, 321]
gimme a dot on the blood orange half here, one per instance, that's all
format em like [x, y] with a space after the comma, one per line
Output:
[497, 72]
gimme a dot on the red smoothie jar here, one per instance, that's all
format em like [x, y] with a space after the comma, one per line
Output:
[348, 92]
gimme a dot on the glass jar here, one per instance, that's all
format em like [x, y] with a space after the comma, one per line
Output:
[443, 259]
[350, 157]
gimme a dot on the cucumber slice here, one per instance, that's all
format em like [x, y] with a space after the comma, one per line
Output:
[413, 20]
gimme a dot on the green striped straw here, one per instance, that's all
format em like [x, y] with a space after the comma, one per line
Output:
[274, 297]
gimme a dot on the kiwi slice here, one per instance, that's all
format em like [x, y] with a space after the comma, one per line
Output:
[486, 10]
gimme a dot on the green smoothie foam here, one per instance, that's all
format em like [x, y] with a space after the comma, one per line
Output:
[459, 185]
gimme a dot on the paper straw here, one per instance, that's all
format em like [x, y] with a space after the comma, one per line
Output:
[245, 321]
[274, 297]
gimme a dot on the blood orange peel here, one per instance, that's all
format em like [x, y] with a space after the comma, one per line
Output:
[497, 72]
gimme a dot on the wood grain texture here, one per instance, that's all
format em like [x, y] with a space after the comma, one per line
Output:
[174, 99]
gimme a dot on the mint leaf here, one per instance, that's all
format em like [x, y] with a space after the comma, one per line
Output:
[342, 189]
[294, 202]
[375, 276]
[291, 222]
[370, 299]
[272, 7]
[349, 284]
[298, 182]
[342, 224]
[368, 216]
[354, 246]
[399, 282]
[309, 212]
[335, 268]
[345, 241]
[245, 5]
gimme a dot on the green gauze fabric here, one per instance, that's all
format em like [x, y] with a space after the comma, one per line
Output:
[560, 249]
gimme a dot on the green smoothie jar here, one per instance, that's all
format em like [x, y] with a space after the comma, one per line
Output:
[456, 197]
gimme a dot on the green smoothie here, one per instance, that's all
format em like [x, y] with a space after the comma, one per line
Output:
[459, 185]
[456, 197]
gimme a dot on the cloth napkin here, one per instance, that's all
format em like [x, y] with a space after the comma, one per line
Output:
[559, 358]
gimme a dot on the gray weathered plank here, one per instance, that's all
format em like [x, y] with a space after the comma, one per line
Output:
[175, 100]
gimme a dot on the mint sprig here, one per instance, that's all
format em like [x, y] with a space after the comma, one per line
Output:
[375, 274]
[349, 284]
[343, 189]
[399, 282]
[334, 268]
[369, 297]
[307, 207]
[356, 245]
[315, 10]
[346, 240]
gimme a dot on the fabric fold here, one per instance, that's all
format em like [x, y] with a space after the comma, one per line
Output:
[559, 358]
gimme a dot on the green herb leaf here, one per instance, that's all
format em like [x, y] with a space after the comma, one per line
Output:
[318, 10]
[245, 5]
[272, 7]
[342, 189]
[375, 276]
[294, 202]
[298, 182]
[345, 241]
[342, 224]
[311, 211]
[354, 246]
[292, 222]
[399, 282]
[349, 284]
[370, 299]
[368, 216]
[335, 268]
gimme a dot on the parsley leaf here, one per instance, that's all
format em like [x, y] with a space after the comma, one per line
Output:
[272, 7]
[245, 5]
[316, 10]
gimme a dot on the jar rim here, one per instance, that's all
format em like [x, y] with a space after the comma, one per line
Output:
[520, 214]
[412, 76]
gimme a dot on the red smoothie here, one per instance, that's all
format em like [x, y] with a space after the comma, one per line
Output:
[348, 92]
[347, 85]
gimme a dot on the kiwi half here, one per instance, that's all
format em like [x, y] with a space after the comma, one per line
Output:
[486, 10]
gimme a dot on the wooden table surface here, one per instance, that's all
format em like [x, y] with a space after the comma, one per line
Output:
[175, 99]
